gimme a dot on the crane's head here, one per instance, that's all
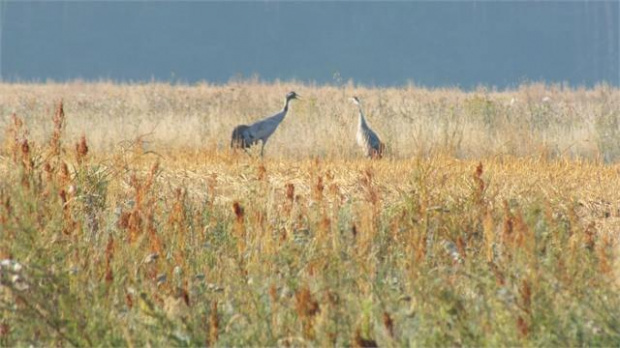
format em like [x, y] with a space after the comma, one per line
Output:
[292, 95]
[355, 100]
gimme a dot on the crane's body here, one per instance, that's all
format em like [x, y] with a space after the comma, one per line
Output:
[367, 139]
[244, 136]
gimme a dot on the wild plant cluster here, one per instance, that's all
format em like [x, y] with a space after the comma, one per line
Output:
[131, 244]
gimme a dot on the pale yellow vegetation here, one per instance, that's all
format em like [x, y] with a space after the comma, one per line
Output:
[493, 219]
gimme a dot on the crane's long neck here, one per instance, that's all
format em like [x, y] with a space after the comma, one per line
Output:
[285, 109]
[362, 119]
[280, 115]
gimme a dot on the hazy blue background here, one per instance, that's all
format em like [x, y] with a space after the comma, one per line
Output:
[432, 44]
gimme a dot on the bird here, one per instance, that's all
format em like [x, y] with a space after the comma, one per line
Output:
[244, 136]
[367, 139]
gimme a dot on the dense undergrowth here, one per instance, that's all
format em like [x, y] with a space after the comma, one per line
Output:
[184, 247]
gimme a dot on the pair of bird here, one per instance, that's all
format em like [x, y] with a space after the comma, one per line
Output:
[244, 136]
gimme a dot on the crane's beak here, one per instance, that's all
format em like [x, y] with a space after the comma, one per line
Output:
[297, 96]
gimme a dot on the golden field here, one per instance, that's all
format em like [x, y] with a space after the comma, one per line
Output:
[125, 218]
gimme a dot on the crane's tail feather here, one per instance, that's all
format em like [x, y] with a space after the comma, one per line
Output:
[238, 138]
[377, 152]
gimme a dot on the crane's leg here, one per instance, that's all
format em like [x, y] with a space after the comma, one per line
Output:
[262, 148]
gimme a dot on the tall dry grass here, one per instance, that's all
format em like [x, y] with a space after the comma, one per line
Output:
[125, 220]
[532, 119]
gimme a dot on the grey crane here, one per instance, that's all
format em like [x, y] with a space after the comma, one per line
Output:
[366, 137]
[244, 136]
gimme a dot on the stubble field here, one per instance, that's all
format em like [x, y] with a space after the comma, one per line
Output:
[125, 219]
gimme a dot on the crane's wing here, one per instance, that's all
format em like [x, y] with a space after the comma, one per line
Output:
[264, 128]
[373, 139]
[249, 137]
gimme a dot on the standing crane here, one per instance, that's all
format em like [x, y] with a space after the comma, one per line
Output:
[366, 137]
[244, 136]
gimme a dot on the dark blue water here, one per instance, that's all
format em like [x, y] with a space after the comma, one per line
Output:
[432, 44]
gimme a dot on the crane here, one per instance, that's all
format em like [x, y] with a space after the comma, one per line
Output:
[244, 136]
[366, 137]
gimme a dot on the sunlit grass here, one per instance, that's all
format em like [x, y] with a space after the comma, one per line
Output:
[479, 228]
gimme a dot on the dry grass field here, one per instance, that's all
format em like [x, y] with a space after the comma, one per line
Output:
[125, 219]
